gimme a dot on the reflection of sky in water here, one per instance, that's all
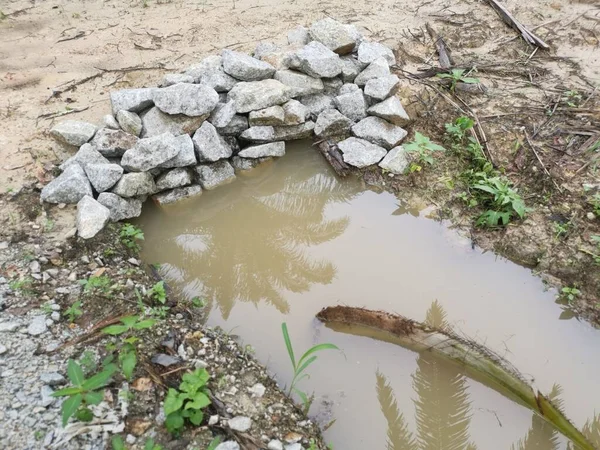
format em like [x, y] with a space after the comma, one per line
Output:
[290, 239]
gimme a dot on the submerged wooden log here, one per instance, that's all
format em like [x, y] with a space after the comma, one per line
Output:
[333, 155]
[477, 360]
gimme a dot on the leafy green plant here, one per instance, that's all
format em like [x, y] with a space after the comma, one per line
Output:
[503, 202]
[303, 363]
[158, 292]
[596, 203]
[187, 402]
[74, 311]
[214, 443]
[561, 229]
[83, 392]
[572, 98]
[158, 311]
[570, 293]
[128, 323]
[128, 357]
[99, 284]
[129, 236]
[457, 131]
[23, 285]
[424, 149]
[198, 302]
[117, 442]
[457, 75]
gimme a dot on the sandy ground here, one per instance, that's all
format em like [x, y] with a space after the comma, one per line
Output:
[45, 45]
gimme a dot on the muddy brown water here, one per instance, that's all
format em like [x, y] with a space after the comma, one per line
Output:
[289, 238]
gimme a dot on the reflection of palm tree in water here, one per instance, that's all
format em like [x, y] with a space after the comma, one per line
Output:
[244, 241]
[443, 408]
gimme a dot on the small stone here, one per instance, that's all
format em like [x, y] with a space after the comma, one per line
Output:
[103, 176]
[352, 105]
[109, 121]
[174, 195]
[149, 153]
[155, 122]
[381, 88]
[348, 88]
[331, 122]
[213, 420]
[37, 326]
[55, 316]
[317, 103]
[209, 145]
[360, 153]
[113, 143]
[222, 114]
[334, 35]
[254, 95]
[8, 326]
[273, 115]
[186, 156]
[209, 72]
[135, 184]
[240, 423]
[244, 67]
[133, 262]
[35, 267]
[370, 51]
[318, 61]
[92, 216]
[69, 187]
[165, 360]
[395, 161]
[351, 67]
[295, 113]
[73, 132]
[186, 98]
[174, 78]
[237, 126]
[377, 69]
[228, 445]
[264, 150]
[299, 83]
[258, 390]
[86, 154]
[173, 178]
[244, 164]
[135, 100]
[298, 35]
[591, 216]
[130, 439]
[3, 349]
[295, 446]
[210, 176]
[275, 445]
[379, 131]
[391, 110]
[293, 132]
[120, 208]
[130, 122]
[46, 396]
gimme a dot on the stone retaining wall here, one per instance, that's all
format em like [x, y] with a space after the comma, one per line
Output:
[230, 113]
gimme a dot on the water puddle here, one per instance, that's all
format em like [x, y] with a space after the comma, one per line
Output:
[289, 238]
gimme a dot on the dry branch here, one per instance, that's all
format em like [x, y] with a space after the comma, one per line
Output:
[479, 361]
[442, 50]
[333, 155]
[511, 21]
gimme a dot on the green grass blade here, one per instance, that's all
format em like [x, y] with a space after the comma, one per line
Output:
[288, 344]
[304, 365]
[317, 348]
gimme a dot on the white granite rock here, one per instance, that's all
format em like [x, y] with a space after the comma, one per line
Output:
[379, 131]
[318, 61]
[211, 176]
[103, 176]
[378, 68]
[360, 153]
[73, 132]
[255, 95]
[245, 67]
[69, 187]
[120, 208]
[185, 98]
[391, 110]
[264, 150]
[395, 161]
[92, 216]
[209, 145]
[130, 122]
[331, 122]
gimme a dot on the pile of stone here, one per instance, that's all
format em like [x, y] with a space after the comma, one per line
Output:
[230, 113]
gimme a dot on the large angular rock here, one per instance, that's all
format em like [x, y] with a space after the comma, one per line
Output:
[69, 187]
[351, 67]
[264, 48]
[174, 195]
[381, 88]
[352, 105]
[211, 176]
[295, 113]
[347, 88]
[273, 115]
[299, 83]
[103, 176]
[379, 131]
[294, 132]
[155, 122]
[86, 154]
[173, 179]
[395, 161]
[151, 152]
[186, 156]
[120, 208]
[222, 114]
[259, 134]
[255, 95]
[74, 132]
[135, 184]
[317, 103]
[332, 86]
[391, 110]
[281, 58]
[113, 143]
[209, 145]
[244, 67]
[264, 150]
[377, 69]
[174, 78]
[360, 153]
[318, 61]
[130, 122]
[245, 164]
[298, 35]
[91, 217]
[209, 72]
[370, 51]
[109, 121]
[333, 35]
[184, 98]
[134, 100]
[331, 122]
[236, 127]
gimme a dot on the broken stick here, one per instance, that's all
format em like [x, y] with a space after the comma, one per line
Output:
[333, 155]
[441, 48]
[512, 22]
